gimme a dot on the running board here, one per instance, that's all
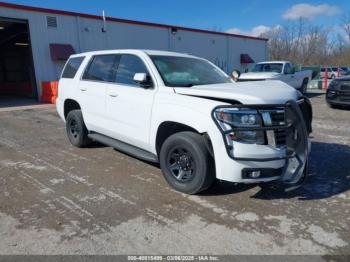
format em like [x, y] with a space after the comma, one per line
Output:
[124, 147]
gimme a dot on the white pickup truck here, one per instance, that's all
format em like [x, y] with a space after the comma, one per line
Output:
[279, 70]
[188, 115]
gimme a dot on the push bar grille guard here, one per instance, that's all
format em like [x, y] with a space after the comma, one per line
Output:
[297, 126]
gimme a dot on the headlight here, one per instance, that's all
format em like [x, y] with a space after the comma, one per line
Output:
[230, 118]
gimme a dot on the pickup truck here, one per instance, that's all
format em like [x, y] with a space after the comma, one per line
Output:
[279, 70]
[186, 114]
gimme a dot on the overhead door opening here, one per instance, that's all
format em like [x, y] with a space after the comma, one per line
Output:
[16, 61]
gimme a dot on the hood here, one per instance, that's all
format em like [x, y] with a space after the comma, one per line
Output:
[344, 78]
[264, 92]
[259, 75]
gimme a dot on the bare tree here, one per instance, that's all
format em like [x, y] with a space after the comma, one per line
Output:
[308, 44]
[345, 24]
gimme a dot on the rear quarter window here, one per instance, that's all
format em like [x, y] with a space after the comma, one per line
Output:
[72, 67]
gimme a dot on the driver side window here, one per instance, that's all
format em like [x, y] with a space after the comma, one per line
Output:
[128, 66]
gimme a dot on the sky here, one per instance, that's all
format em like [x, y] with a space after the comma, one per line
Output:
[251, 17]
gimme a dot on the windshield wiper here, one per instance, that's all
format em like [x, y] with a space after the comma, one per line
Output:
[184, 85]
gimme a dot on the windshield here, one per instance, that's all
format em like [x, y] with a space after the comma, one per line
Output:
[186, 71]
[276, 68]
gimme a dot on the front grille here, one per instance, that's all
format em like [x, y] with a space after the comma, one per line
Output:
[278, 119]
[344, 96]
[345, 87]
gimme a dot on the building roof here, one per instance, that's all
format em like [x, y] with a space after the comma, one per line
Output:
[112, 19]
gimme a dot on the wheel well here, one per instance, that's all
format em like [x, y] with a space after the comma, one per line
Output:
[167, 129]
[70, 105]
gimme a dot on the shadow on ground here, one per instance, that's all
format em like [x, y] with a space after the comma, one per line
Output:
[329, 175]
[315, 93]
[9, 101]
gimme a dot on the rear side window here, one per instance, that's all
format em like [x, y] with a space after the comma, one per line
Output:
[101, 68]
[129, 65]
[72, 67]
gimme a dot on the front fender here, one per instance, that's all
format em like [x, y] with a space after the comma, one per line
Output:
[197, 120]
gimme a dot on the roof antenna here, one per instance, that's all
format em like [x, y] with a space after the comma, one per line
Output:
[104, 30]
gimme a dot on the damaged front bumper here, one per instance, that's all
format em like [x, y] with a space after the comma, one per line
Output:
[293, 148]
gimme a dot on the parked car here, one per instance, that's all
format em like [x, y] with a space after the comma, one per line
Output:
[279, 70]
[338, 92]
[346, 70]
[187, 114]
[331, 72]
[339, 71]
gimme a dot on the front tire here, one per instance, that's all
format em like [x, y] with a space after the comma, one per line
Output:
[186, 163]
[76, 129]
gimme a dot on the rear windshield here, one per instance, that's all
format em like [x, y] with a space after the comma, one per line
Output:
[72, 67]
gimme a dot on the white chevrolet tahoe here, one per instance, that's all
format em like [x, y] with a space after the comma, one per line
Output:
[279, 70]
[186, 114]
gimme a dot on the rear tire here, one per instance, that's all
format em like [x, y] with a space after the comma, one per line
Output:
[186, 163]
[76, 129]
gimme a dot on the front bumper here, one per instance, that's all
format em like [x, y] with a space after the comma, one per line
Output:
[338, 97]
[285, 163]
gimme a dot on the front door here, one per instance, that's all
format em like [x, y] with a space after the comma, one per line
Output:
[128, 105]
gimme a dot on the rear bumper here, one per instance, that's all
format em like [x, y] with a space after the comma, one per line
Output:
[60, 108]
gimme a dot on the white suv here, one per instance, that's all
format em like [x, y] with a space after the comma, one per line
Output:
[187, 114]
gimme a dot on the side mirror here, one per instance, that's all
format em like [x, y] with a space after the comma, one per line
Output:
[235, 74]
[143, 80]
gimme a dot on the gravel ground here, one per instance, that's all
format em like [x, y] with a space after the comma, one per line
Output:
[57, 199]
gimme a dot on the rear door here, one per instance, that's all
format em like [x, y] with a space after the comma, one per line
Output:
[97, 76]
[128, 105]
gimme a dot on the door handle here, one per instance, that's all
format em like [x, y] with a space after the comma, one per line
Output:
[113, 95]
[83, 89]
